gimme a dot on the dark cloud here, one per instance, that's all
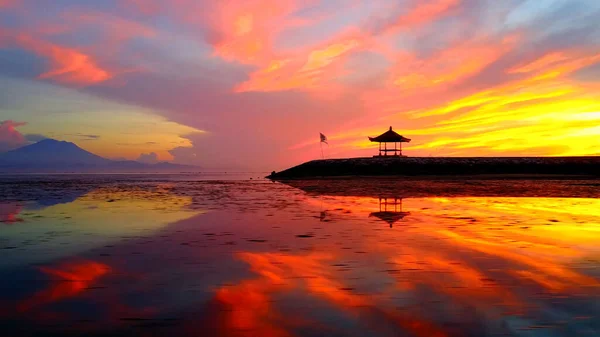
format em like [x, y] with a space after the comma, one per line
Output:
[34, 138]
[83, 137]
[20, 63]
[148, 158]
[186, 155]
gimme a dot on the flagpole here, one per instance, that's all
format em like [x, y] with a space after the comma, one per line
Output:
[321, 145]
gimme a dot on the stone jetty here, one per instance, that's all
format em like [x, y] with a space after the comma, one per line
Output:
[443, 166]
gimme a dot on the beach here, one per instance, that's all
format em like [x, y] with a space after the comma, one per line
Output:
[157, 255]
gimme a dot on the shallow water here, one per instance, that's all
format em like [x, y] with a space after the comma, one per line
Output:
[102, 255]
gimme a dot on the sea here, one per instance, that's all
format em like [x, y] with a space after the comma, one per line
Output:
[235, 254]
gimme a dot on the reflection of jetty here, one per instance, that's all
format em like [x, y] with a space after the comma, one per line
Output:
[388, 215]
[449, 187]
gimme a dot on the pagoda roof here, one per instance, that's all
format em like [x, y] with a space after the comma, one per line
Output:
[389, 136]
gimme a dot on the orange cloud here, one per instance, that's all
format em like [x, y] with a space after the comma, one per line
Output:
[314, 69]
[538, 110]
[69, 65]
[541, 63]
[450, 65]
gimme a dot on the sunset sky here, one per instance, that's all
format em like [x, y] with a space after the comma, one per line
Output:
[249, 84]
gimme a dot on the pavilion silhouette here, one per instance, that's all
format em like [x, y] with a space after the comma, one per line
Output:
[390, 136]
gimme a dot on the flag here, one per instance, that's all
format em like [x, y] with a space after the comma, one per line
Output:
[323, 138]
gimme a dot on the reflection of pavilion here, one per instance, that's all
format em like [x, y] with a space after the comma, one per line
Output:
[386, 213]
[323, 216]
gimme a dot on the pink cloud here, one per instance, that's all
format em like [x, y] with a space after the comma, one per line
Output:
[317, 67]
[244, 31]
[116, 31]
[424, 12]
[147, 7]
[451, 64]
[10, 137]
[7, 3]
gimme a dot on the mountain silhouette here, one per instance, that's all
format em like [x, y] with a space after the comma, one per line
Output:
[51, 155]
[50, 152]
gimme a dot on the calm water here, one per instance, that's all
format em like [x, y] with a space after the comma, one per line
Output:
[155, 256]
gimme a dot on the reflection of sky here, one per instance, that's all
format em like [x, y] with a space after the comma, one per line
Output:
[61, 227]
[264, 262]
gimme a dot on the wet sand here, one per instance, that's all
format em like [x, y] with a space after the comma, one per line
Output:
[101, 256]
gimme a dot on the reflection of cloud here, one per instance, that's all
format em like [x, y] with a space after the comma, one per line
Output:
[250, 308]
[98, 217]
[9, 212]
[70, 279]
[471, 251]
[546, 260]
[246, 309]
